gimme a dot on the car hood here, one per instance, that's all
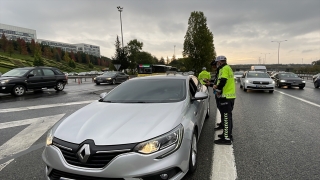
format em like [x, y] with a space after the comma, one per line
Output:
[119, 123]
[7, 78]
[260, 79]
[291, 78]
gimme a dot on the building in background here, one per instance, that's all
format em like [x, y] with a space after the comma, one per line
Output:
[63, 46]
[14, 32]
[89, 49]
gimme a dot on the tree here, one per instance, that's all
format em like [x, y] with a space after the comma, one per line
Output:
[47, 52]
[3, 42]
[161, 61]
[145, 58]
[132, 48]
[32, 47]
[79, 57]
[120, 56]
[38, 61]
[23, 47]
[66, 57]
[198, 42]
[10, 48]
[72, 56]
[71, 63]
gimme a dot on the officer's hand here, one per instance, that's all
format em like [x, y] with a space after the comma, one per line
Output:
[215, 86]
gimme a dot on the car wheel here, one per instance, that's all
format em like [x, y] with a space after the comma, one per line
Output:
[59, 86]
[113, 81]
[270, 91]
[301, 87]
[193, 154]
[208, 111]
[18, 90]
[316, 85]
[97, 83]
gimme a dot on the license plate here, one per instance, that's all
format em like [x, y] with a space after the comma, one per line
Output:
[99, 80]
[261, 86]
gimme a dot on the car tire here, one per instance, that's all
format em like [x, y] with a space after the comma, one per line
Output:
[208, 110]
[316, 85]
[18, 90]
[270, 91]
[97, 83]
[193, 159]
[59, 86]
[113, 81]
[301, 87]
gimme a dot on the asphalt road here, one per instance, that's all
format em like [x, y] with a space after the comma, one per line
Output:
[276, 136]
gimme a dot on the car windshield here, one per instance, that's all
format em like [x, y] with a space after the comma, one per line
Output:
[288, 75]
[109, 74]
[15, 72]
[238, 73]
[258, 75]
[148, 91]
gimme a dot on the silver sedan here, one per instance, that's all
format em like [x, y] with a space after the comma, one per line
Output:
[145, 128]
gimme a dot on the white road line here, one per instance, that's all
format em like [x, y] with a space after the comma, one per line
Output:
[314, 104]
[223, 165]
[43, 106]
[28, 136]
[5, 164]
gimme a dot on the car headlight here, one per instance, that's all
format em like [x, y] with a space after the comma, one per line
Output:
[282, 80]
[303, 81]
[247, 81]
[4, 81]
[171, 139]
[49, 138]
[272, 82]
[94, 78]
[108, 78]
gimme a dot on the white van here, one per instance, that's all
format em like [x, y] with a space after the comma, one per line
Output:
[259, 68]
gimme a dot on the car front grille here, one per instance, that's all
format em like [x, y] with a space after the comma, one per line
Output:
[56, 175]
[99, 156]
[260, 82]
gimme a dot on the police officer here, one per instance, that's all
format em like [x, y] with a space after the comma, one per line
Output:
[226, 92]
[204, 77]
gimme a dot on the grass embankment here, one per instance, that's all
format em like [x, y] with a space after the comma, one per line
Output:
[8, 62]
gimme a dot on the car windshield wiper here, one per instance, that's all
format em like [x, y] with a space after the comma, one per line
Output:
[101, 100]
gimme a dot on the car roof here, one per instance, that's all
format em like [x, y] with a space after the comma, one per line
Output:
[177, 76]
[256, 72]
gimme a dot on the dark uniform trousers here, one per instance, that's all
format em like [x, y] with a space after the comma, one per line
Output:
[226, 107]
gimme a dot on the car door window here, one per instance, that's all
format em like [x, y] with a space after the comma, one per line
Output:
[196, 82]
[36, 72]
[48, 72]
[192, 87]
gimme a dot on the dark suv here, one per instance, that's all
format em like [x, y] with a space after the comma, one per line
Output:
[19, 80]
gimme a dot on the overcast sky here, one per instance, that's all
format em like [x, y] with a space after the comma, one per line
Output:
[242, 29]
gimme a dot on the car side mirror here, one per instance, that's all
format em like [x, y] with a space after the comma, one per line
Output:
[102, 95]
[199, 96]
[30, 75]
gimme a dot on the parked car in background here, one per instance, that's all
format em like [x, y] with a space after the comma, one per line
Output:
[146, 128]
[72, 73]
[257, 80]
[314, 77]
[259, 68]
[112, 77]
[317, 82]
[93, 73]
[237, 75]
[82, 74]
[19, 80]
[288, 79]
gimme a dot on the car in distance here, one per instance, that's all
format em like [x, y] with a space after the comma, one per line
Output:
[145, 128]
[288, 79]
[111, 77]
[314, 77]
[19, 80]
[237, 75]
[257, 80]
[317, 82]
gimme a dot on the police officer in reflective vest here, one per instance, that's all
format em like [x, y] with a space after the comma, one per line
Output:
[226, 92]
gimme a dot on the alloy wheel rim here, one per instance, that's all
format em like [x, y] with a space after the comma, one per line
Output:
[59, 86]
[19, 90]
[194, 151]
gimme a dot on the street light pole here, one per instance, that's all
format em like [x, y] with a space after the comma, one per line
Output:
[120, 9]
[174, 50]
[278, 47]
[265, 57]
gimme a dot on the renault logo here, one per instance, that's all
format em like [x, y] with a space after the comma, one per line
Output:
[84, 153]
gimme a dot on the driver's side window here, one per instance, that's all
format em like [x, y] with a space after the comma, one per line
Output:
[192, 87]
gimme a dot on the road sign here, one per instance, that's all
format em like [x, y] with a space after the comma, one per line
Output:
[117, 66]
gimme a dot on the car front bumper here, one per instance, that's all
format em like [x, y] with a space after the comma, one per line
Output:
[127, 166]
[292, 84]
[261, 87]
[6, 88]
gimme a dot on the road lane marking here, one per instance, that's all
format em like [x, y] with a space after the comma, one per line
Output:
[43, 106]
[223, 165]
[5, 164]
[24, 139]
[303, 100]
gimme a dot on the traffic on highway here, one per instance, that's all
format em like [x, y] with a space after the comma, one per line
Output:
[144, 128]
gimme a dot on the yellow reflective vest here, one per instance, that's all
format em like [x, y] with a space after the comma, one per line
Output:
[204, 75]
[229, 90]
